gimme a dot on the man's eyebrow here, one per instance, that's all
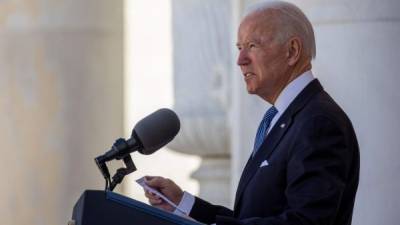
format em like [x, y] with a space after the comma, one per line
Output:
[238, 44]
[242, 43]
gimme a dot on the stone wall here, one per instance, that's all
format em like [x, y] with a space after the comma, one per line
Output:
[60, 103]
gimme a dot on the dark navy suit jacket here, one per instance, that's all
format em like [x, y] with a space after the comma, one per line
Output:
[313, 170]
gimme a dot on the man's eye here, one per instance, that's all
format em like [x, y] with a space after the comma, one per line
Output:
[252, 45]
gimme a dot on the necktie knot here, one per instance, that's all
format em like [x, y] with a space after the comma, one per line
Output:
[263, 127]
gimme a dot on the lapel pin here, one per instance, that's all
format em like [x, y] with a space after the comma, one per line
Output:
[283, 125]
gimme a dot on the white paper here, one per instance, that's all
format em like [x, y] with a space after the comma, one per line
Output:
[142, 183]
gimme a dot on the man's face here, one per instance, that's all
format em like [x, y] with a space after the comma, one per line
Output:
[262, 58]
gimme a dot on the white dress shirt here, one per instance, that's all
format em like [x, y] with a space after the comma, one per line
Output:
[288, 94]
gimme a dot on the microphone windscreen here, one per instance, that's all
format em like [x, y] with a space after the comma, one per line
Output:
[156, 130]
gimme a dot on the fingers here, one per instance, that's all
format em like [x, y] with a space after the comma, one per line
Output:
[166, 186]
[154, 201]
[160, 183]
[155, 182]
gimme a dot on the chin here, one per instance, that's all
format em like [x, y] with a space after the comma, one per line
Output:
[252, 87]
[251, 91]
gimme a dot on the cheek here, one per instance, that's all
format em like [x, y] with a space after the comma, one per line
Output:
[260, 62]
[266, 63]
[273, 63]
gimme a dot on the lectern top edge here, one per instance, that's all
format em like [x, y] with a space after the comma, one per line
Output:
[148, 209]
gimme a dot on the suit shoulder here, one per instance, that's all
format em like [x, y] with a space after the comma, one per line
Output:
[322, 111]
[322, 105]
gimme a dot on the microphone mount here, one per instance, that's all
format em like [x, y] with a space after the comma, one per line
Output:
[120, 145]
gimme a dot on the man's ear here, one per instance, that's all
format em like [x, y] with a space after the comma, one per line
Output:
[295, 49]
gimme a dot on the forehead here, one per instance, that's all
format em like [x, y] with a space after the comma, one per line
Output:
[256, 26]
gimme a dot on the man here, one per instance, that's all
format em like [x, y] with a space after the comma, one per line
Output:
[304, 166]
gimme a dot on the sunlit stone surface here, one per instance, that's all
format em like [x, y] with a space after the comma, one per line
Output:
[60, 103]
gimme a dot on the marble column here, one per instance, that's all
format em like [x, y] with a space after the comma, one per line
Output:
[357, 58]
[202, 62]
[60, 103]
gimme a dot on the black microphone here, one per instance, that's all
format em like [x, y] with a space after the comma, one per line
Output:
[149, 134]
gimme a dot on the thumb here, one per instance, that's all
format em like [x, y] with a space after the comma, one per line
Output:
[155, 182]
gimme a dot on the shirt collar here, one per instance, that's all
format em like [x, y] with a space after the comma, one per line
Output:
[293, 89]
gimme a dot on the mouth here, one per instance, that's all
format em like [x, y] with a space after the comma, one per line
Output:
[248, 75]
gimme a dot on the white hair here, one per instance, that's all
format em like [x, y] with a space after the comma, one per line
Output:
[292, 21]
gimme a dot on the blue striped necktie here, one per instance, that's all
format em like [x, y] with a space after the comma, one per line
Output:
[263, 127]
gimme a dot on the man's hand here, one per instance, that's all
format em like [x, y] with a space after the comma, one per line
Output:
[168, 188]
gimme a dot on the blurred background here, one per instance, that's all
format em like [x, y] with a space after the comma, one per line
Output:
[77, 74]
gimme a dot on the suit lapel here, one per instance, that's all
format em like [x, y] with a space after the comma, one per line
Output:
[275, 136]
[263, 153]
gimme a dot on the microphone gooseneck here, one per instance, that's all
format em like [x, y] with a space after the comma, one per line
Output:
[149, 134]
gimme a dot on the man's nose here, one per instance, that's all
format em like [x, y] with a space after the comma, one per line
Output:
[243, 58]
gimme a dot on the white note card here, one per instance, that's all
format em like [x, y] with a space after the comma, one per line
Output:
[142, 183]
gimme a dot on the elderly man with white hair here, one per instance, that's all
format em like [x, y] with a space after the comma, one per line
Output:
[304, 165]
